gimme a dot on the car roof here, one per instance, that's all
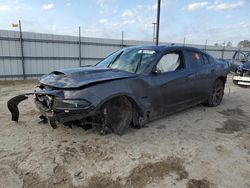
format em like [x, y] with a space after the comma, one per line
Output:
[165, 47]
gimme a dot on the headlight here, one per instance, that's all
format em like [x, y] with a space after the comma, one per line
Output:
[70, 104]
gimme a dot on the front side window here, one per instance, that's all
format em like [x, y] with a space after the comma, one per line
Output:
[169, 62]
[147, 57]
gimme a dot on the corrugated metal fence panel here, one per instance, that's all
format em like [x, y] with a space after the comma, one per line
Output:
[227, 55]
[95, 49]
[10, 67]
[10, 48]
[216, 54]
[89, 62]
[40, 67]
[98, 49]
[44, 53]
[53, 46]
[133, 43]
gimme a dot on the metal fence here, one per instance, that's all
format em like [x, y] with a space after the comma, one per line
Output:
[30, 55]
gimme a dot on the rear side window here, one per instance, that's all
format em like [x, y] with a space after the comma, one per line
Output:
[196, 59]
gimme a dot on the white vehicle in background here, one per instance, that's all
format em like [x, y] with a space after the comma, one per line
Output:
[242, 75]
[240, 65]
[239, 58]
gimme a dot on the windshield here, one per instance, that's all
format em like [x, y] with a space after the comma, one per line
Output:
[132, 60]
[242, 56]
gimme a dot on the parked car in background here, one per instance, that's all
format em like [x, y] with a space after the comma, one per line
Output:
[242, 75]
[240, 67]
[239, 58]
[129, 88]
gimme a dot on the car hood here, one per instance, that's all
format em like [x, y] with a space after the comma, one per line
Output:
[83, 76]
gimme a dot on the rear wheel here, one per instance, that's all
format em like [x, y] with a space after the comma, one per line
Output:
[216, 94]
[116, 116]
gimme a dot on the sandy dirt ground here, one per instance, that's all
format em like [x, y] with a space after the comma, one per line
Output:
[197, 148]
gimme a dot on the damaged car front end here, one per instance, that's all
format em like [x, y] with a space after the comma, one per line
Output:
[242, 75]
[53, 106]
[239, 58]
[64, 96]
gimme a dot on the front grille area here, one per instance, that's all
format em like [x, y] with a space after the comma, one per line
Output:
[45, 100]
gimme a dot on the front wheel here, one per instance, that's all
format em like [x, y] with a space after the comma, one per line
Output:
[216, 95]
[116, 116]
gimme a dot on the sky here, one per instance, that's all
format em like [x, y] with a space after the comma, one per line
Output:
[197, 20]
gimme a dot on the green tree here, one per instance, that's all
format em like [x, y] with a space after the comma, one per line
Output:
[244, 44]
[229, 44]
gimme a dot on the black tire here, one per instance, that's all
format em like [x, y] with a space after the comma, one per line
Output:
[216, 94]
[116, 115]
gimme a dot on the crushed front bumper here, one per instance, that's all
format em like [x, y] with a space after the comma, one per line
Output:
[50, 115]
[64, 116]
[13, 106]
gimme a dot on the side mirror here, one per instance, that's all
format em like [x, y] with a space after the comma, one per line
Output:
[156, 71]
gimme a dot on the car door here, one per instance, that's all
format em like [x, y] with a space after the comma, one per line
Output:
[201, 74]
[169, 76]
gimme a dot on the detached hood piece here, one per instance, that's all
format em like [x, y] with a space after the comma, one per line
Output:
[78, 77]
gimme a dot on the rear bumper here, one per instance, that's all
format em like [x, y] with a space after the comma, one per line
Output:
[242, 80]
